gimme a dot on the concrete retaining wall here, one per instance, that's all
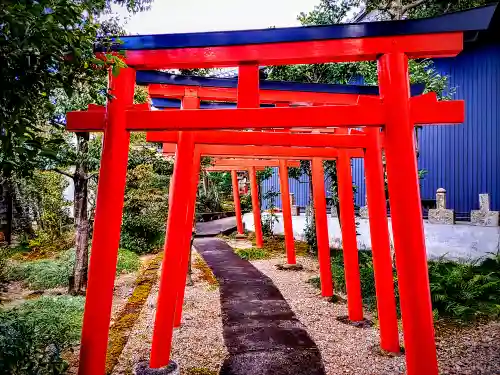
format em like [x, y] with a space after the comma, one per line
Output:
[459, 241]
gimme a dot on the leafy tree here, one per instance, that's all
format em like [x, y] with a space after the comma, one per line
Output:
[45, 45]
[146, 198]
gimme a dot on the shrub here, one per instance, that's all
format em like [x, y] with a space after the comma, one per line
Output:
[33, 335]
[459, 290]
[466, 291]
[145, 208]
[53, 273]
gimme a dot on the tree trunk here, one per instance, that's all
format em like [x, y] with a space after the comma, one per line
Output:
[78, 280]
[23, 219]
[8, 191]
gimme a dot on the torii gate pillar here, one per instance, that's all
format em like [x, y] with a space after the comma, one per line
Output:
[237, 203]
[107, 225]
[406, 215]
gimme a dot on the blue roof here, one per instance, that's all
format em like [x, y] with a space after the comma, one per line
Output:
[473, 20]
[176, 103]
[145, 77]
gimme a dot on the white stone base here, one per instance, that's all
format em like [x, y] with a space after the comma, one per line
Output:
[458, 241]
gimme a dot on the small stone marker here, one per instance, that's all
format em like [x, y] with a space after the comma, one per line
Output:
[295, 208]
[484, 216]
[333, 211]
[440, 214]
[363, 210]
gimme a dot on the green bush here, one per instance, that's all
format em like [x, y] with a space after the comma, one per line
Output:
[53, 273]
[459, 290]
[145, 208]
[466, 290]
[33, 335]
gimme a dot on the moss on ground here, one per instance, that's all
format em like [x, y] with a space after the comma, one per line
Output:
[206, 273]
[128, 315]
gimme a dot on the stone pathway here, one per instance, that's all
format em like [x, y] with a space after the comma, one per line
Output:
[261, 332]
[215, 227]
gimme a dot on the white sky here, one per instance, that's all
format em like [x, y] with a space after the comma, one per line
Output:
[180, 16]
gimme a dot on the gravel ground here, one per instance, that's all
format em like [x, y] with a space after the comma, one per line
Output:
[348, 350]
[345, 349]
[198, 343]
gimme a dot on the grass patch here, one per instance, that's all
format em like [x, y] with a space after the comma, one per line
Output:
[252, 253]
[33, 334]
[126, 318]
[206, 273]
[272, 247]
[55, 272]
[459, 291]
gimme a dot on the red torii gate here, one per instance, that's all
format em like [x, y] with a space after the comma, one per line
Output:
[390, 43]
[209, 89]
[380, 234]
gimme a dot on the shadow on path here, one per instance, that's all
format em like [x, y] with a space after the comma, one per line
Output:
[261, 332]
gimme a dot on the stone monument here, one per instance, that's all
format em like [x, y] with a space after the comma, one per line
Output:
[484, 216]
[363, 210]
[295, 208]
[440, 214]
[333, 211]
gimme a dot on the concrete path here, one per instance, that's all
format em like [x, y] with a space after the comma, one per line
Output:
[215, 227]
[261, 332]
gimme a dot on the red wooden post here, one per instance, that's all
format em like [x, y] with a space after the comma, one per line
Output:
[108, 219]
[254, 191]
[237, 204]
[187, 241]
[381, 250]
[188, 102]
[178, 229]
[287, 213]
[349, 243]
[325, 270]
[406, 217]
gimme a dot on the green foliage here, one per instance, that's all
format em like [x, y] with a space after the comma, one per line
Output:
[460, 291]
[52, 273]
[270, 218]
[252, 253]
[33, 335]
[246, 202]
[146, 200]
[310, 234]
[128, 261]
[466, 290]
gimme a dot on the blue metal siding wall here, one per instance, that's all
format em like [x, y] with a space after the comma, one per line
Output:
[463, 158]
[299, 188]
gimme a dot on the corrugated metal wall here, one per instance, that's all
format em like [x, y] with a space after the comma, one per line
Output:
[463, 159]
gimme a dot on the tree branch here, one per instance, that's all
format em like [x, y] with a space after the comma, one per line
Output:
[89, 176]
[62, 172]
[407, 7]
